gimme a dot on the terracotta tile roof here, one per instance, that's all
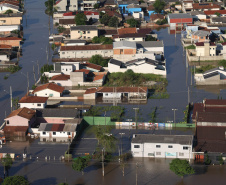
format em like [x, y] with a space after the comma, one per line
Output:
[33, 99]
[202, 44]
[22, 112]
[212, 12]
[156, 16]
[57, 2]
[123, 89]
[61, 77]
[122, 31]
[7, 129]
[86, 71]
[211, 117]
[92, 66]
[224, 43]
[10, 38]
[50, 86]
[67, 21]
[150, 8]
[69, 14]
[91, 13]
[91, 90]
[15, 3]
[205, 5]
[4, 46]
[87, 47]
[144, 30]
[98, 77]
[215, 102]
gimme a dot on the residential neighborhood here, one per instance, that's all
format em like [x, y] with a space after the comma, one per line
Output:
[94, 90]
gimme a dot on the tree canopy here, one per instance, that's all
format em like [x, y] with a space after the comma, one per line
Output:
[159, 6]
[99, 60]
[102, 39]
[181, 167]
[8, 11]
[150, 38]
[113, 22]
[105, 19]
[80, 19]
[80, 163]
[49, 7]
[15, 180]
[7, 162]
[133, 22]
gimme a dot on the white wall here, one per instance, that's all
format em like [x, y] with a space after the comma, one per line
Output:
[47, 93]
[135, 39]
[112, 95]
[4, 58]
[66, 69]
[177, 151]
[138, 15]
[32, 105]
[9, 28]
[58, 134]
[63, 83]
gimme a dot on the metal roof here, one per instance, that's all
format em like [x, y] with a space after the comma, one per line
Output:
[179, 16]
[84, 27]
[148, 44]
[124, 44]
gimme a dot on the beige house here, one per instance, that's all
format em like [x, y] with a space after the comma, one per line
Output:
[14, 19]
[205, 49]
[85, 32]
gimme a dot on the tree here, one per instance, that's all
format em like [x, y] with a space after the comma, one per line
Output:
[113, 22]
[221, 160]
[133, 22]
[217, 14]
[61, 29]
[80, 163]
[105, 19]
[96, 6]
[159, 6]
[15, 180]
[15, 103]
[99, 60]
[123, 162]
[181, 167]
[7, 163]
[8, 11]
[150, 38]
[80, 19]
[49, 7]
[207, 160]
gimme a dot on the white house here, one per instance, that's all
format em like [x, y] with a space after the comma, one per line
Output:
[162, 146]
[33, 102]
[221, 48]
[143, 65]
[48, 90]
[6, 6]
[62, 132]
[205, 49]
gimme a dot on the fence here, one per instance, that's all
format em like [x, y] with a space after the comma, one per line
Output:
[98, 120]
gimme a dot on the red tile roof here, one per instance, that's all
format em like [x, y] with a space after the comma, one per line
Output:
[58, 2]
[69, 14]
[150, 8]
[205, 5]
[10, 38]
[92, 66]
[12, 129]
[15, 3]
[202, 44]
[22, 112]
[122, 31]
[211, 117]
[33, 99]
[50, 86]
[66, 21]
[214, 102]
[98, 77]
[212, 12]
[61, 77]
[91, 90]
[86, 71]
[156, 16]
[4, 46]
[87, 47]
[91, 13]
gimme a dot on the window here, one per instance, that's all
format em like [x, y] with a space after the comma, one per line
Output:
[213, 48]
[213, 54]
[44, 139]
[39, 104]
[43, 133]
[133, 38]
[45, 93]
[106, 94]
[88, 31]
[69, 133]
[158, 146]
[170, 146]
[185, 147]
[136, 146]
[7, 122]
[181, 154]
[151, 154]
[54, 133]
[63, 53]
[158, 153]
[78, 31]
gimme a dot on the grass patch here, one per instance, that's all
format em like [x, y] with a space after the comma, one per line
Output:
[129, 78]
[162, 95]
[13, 69]
[190, 47]
[6, 77]
[202, 69]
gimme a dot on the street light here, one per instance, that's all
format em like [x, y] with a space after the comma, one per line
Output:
[174, 115]
[129, 125]
[121, 141]
[136, 109]
[27, 80]
[11, 97]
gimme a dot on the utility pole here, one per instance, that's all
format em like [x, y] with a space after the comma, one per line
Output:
[136, 115]
[68, 151]
[34, 73]
[191, 75]
[103, 162]
[121, 141]
[174, 115]
[27, 81]
[11, 98]
[188, 95]
[136, 172]
[47, 55]
[105, 119]
[38, 67]
[118, 154]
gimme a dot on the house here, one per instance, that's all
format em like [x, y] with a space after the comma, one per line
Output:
[61, 5]
[200, 36]
[4, 6]
[129, 93]
[33, 102]
[85, 32]
[74, 5]
[57, 132]
[187, 5]
[112, 12]
[123, 5]
[151, 10]
[198, 15]
[162, 146]
[89, 5]
[218, 20]
[205, 49]
[221, 48]
[205, 6]
[175, 20]
[143, 65]
[67, 23]
[12, 19]
[156, 17]
[48, 90]
[214, 76]
[212, 13]
[108, 33]
[86, 51]
[62, 80]
[210, 117]
[13, 41]
[18, 121]
[133, 8]
[91, 14]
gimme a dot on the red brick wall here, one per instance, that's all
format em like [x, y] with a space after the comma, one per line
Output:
[185, 20]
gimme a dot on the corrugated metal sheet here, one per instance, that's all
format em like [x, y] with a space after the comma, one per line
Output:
[61, 127]
[67, 127]
[48, 127]
[55, 127]
[42, 127]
